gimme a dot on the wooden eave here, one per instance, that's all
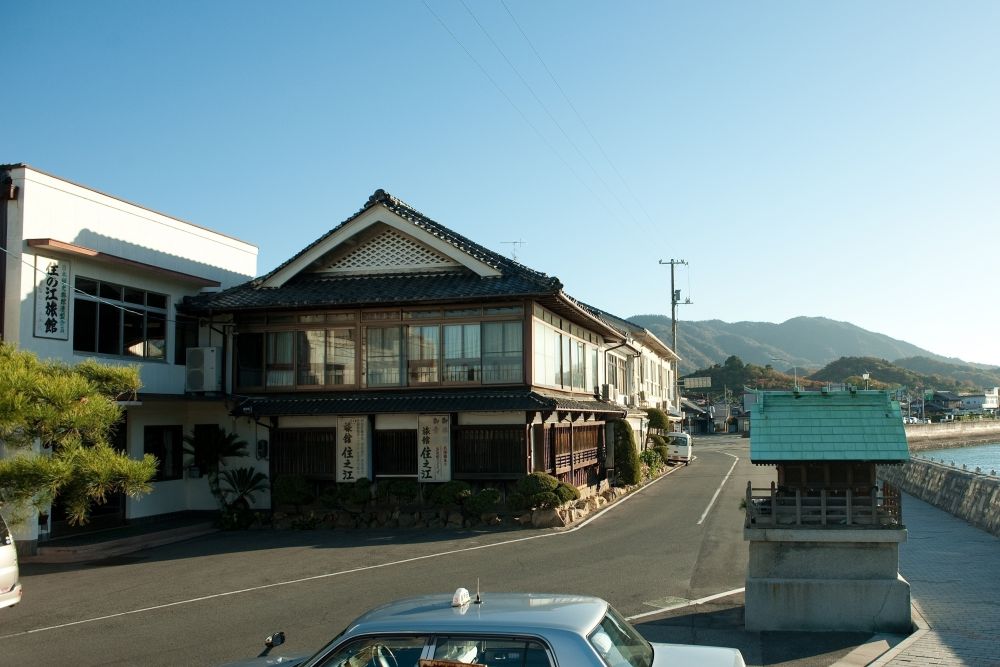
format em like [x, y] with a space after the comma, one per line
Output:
[73, 250]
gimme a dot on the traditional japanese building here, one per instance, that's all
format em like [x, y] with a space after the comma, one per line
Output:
[394, 347]
[824, 538]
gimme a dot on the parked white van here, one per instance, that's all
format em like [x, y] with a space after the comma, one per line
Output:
[679, 447]
[10, 581]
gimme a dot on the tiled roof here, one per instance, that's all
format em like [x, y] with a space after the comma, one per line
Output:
[426, 401]
[826, 426]
[324, 290]
[315, 291]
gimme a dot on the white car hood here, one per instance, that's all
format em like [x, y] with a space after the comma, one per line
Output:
[683, 655]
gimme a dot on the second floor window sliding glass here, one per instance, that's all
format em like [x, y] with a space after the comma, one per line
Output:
[383, 357]
[422, 354]
[502, 352]
[462, 362]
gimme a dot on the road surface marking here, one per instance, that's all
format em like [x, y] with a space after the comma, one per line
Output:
[686, 603]
[719, 490]
[328, 575]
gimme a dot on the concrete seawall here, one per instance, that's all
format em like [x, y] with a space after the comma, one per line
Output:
[932, 436]
[968, 495]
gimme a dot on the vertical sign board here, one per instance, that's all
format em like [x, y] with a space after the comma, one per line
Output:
[352, 448]
[433, 448]
[52, 298]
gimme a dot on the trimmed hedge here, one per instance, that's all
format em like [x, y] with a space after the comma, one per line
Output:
[484, 501]
[626, 456]
[451, 493]
[535, 483]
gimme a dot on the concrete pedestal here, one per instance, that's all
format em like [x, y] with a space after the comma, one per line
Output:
[826, 579]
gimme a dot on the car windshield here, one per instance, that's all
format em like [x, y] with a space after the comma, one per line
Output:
[618, 644]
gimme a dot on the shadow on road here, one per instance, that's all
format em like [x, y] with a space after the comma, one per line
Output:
[720, 623]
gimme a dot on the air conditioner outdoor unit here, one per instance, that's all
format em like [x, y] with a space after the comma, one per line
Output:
[204, 373]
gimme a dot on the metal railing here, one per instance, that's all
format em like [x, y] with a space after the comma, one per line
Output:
[824, 508]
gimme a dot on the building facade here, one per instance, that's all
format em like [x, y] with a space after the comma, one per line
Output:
[393, 347]
[85, 274]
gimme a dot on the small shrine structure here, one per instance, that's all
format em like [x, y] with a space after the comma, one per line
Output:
[824, 538]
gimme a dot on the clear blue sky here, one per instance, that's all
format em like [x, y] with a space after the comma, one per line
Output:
[835, 159]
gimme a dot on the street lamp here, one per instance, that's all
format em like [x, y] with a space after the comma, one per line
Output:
[795, 370]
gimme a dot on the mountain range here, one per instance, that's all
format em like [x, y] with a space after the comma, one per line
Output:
[807, 343]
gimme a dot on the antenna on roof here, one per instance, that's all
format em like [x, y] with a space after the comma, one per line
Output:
[514, 244]
[479, 600]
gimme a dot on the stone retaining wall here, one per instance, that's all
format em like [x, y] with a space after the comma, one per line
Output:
[968, 495]
[963, 432]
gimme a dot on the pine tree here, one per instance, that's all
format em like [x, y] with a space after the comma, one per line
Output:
[55, 422]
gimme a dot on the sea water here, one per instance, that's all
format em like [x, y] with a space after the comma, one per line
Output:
[986, 457]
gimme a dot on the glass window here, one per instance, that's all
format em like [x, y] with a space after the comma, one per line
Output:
[167, 445]
[116, 320]
[279, 369]
[462, 362]
[618, 644]
[489, 651]
[383, 357]
[340, 357]
[579, 364]
[502, 352]
[311, 357]
[422, 354]
[250, 360]
[377, 650]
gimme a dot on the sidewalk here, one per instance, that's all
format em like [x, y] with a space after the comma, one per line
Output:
[954, 575]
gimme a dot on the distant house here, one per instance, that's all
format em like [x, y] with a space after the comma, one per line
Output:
[942, 403]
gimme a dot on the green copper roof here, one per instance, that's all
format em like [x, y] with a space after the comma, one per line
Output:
[826, 426]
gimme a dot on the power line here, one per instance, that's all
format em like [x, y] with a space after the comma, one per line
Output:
[516, 108]
[578, 115]
[548, 113]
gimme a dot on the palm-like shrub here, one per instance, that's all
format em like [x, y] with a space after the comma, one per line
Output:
[209, 449]
[241, 485]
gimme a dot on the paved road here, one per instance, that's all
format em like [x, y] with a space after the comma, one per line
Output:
[213, 599]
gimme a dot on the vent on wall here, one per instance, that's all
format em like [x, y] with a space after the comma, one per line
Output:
[203, 369]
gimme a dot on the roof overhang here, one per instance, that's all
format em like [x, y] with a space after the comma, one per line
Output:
[430, 401]
[73, 250]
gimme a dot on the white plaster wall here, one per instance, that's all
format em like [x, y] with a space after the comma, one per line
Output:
[189, 493]
[58, 209]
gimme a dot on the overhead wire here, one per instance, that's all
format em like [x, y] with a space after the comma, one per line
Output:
[579, 117]
[516, 108]
[548, 113]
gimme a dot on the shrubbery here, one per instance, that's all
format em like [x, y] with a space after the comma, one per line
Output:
[626, 457]
[451, 493]
[484, 501]
[291, 490]
[545, 500]
[535, 483]
[652, 460]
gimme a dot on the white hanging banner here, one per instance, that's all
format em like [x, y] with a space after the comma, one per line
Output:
[434, 448]
[52, 298]
[352, 448]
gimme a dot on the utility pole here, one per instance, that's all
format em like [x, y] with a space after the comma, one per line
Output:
[675, 298]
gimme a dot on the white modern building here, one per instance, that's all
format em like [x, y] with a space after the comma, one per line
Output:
[88, 275]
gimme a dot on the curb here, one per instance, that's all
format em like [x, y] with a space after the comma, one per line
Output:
[921, 629]
[86, 552]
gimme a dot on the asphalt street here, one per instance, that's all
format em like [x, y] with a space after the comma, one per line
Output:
[213, 599]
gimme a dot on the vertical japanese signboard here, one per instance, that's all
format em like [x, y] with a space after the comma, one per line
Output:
[52, 299]
[352, 448]
[434, 448]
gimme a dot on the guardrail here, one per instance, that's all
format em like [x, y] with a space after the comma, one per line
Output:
[795, 509]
